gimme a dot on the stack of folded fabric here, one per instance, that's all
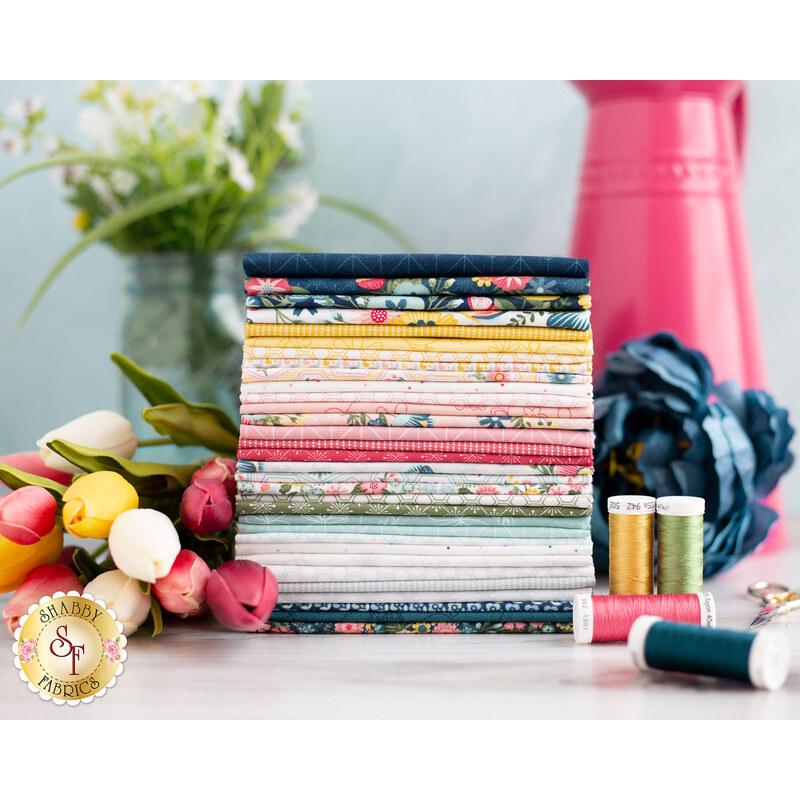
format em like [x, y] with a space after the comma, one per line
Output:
[416, 442]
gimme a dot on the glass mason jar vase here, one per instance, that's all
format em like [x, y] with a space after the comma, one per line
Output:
[184, 322]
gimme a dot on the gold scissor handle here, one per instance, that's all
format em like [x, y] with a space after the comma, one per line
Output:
[770, 593]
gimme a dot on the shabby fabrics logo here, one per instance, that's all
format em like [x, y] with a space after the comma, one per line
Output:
[69, 648]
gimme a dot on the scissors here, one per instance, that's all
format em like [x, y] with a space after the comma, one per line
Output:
[775, 598]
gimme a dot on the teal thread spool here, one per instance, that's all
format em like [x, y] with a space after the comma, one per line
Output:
[679, 536]
[760, 659]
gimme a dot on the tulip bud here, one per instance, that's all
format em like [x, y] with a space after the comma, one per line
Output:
[17, 560]
[183, 590]
[41, 582]
[94, 501]
[102, 430]
[206, 507]
[144, 544]
[31, 462]
[27, 515]
[219, 469]
[241, 595]
[66, 559]
[123, 596]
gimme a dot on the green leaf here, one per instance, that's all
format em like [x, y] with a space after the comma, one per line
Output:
[16, 479]
[113, 225]
[159, 393]
[88, 568]
[144, 586]
[158, 619]
[370, 216]
[75, 158]
[152, 480]
[154, 624]
[189, 425]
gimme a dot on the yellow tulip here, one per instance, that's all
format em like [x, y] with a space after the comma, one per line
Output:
[94, 501]
[17, 560]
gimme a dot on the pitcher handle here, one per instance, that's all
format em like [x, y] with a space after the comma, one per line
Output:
[739, 110]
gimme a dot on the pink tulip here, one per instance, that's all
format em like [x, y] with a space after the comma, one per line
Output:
[31, 462]
[66, 558]
[241, 595]
[206, 507]
[183, 589]
[41, 582]
[27, 514]
[219, 469]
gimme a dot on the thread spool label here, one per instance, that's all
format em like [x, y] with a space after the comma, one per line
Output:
[707, 610]
[631, 504]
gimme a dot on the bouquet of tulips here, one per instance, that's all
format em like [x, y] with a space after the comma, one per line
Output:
[165, 531]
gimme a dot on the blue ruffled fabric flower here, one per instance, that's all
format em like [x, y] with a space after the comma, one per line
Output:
[663, 428]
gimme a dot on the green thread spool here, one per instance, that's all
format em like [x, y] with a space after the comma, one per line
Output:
[680, 544]
[760, 659]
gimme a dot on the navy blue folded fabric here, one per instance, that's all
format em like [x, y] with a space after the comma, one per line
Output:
[419, 265]
[497, 611]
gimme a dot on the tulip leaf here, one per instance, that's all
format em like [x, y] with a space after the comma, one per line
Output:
[144, 586]
[88, 568]
[16, 479]
[155, 621]
[192, 425]
[158, 393]
[150, 480]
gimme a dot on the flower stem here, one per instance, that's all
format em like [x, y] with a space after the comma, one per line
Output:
[154, 442]
[100, 550]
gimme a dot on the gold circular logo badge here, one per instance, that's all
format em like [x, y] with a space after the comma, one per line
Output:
[69, 648]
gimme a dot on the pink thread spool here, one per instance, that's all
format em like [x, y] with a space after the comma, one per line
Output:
[608, 618]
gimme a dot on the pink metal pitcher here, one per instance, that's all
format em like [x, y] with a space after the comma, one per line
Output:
[660, 218]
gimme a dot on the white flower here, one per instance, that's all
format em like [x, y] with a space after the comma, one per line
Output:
[301, 201]
[52, 145]
[102, 430]
[123, 596]
[123, 182]
[289, 131]
[103, 191]
[22, 108]
[98, 125]
[14, 145]
[228, 111]
[189, 91]
[144, 543]
[240, 170]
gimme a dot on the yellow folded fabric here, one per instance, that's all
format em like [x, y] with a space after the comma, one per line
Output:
[325, 346]
[485, 332]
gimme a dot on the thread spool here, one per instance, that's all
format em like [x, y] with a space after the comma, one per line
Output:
[680, 544]
[760, 659]
[602, 618]
[630, 544]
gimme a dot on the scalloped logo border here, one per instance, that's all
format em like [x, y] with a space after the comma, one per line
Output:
[60, 701]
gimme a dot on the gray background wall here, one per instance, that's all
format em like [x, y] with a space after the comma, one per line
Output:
[461, 166]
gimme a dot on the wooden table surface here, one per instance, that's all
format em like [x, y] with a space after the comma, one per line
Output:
[197, 669]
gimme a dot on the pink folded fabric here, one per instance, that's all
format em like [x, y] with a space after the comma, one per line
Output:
[309, 434]
[585, 411]
[328, 454]
[291, 419]
[501, 448]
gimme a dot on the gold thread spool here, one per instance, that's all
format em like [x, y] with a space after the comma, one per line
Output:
[630, 544]
[680, 544]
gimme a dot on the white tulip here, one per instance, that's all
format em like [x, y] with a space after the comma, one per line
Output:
[123, 596]
[144, 543]
[102, 430]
